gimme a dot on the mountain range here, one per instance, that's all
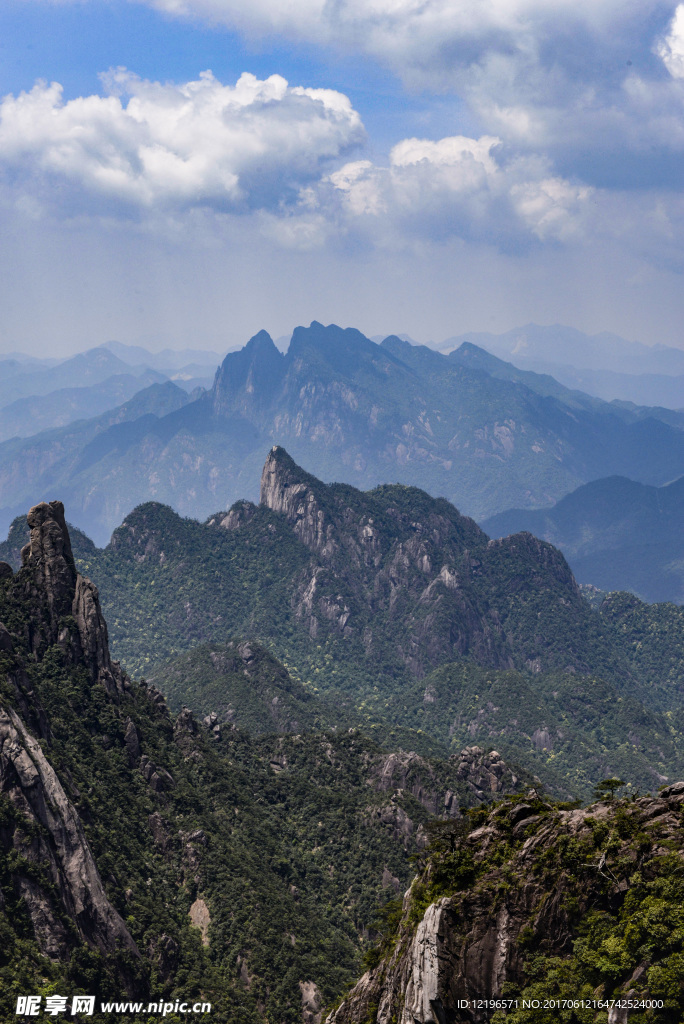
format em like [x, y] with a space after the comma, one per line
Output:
[604, 365]
[390, 611]
[251, 850]
[617, 534]
[468, 426]
[40, 394]
[156, 858]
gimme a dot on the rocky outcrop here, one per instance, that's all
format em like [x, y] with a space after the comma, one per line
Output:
[201, 918]
[445, 791]
[285, 488]
[94, 642]
[311, 1002]
[60, 598]
[238, 514]
[47, 831]
[529, 874]
[486, 774]
[394, 556]
[49, 572]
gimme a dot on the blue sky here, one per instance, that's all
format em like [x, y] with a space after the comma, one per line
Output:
[73, 44]
[428, 168]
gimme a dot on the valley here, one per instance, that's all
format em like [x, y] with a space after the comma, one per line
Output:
[223, 761]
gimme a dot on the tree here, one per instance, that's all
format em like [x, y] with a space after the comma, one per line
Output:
[446, 833]
[606, 789]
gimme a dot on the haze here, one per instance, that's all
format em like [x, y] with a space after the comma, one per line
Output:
[185, 174]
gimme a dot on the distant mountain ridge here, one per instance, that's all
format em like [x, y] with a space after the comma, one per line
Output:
[616, 534]
[569, 346]
[35, 413]
[467, 426]
[604, 365]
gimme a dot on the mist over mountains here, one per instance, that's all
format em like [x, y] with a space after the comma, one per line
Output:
[467, 426]
[604, 365]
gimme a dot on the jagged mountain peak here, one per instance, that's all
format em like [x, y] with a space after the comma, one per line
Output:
[340, 349]
[281, 472]
[398, 552]
[65, 606]
[247, 380]
[288, 489]
[49, 557]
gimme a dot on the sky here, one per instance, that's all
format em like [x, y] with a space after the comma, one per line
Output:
[186, 172]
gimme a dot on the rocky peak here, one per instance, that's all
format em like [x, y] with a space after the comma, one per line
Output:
[246, 381]
[288, 489]
[57, 592]
[49, 562]
[340, 349]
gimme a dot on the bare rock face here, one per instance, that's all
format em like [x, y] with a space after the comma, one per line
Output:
[478, 776]
[409, 772]
[311, 1002]
[238, 514]
[486, 773]
[470, 945]
[30, 783]
[94, 642]
[49, 569]
[58, 592]
[284, 488]
[132, 742]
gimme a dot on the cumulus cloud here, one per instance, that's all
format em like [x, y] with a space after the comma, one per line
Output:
[568, 78]
[671, 48]
[190, 157]
[150, 145]
[561, 77]
[461, 187]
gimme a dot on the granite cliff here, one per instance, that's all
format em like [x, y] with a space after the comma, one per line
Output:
[164, 856]
[394, 561]
[543, 907]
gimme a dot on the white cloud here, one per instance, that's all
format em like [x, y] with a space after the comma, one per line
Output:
[457, 187]
[671, 48]
[551, 76]
[566, 78]
[152, 145]
[409, 27]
